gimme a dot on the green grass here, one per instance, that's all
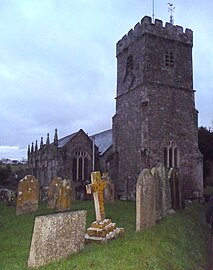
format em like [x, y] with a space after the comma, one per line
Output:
[208, 190]
[177, 242]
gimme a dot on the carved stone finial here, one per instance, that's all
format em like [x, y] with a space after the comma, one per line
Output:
[36, 146]
[41, 143]
[48, 139]
[28, 151]
[56, 137]
[32, 148]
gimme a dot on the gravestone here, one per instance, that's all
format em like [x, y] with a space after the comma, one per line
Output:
[145, 200]
[28, 195]
[176, 191]
[53, 192]
[64, 196]
[163, 197]
[166, 192]
[158, 192]
[72, 193]
[153, 170]
[80, 191]
[56, 236]
[102, 229]
[97, 189]
[109, 191]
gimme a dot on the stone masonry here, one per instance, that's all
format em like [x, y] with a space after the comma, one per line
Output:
[155, 108]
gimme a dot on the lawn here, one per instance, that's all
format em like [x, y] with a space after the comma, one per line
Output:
[178, 242]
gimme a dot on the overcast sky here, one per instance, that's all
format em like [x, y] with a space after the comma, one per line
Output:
[58, 64]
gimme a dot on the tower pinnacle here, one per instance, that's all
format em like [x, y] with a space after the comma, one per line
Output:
[56, 137]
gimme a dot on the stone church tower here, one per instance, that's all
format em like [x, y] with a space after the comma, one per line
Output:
[156, 118]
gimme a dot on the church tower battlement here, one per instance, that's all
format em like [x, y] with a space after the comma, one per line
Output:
[153, 54]
[170, 31]
[156, 118]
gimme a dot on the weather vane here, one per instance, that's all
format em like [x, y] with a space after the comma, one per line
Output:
[171, 9]
[153, 11]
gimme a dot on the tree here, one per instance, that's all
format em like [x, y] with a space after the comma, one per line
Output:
[5, 173]
[205, 144]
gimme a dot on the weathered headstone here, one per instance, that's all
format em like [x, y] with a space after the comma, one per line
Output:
[56, 236]
[53, 192]
[145, 200]
[158, 192]
[8, 196]
[109, 191]
[102, 229]
[166, 192]
[64, 196]
[163, 197]
[72, 187]
[175, 186]
[153, 170]
[28, 195]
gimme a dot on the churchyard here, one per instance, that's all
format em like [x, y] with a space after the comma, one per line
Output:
[157, 230]
[179, 241]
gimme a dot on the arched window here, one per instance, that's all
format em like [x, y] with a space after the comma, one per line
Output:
[80, 173]
[175, 157]
[74, 168]
[80, 166]
[165, 155]
[86, 169]
[171, 155]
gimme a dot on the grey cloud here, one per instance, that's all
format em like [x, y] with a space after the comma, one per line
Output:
[58, 64]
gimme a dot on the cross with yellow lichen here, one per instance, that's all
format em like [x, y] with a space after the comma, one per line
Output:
[97, 189]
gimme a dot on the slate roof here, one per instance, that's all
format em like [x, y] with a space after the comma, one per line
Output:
[103, 140]
[64, 140]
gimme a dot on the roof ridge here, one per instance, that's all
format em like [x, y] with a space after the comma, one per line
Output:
[101, 132]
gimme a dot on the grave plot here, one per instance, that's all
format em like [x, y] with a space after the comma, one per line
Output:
[102, 229]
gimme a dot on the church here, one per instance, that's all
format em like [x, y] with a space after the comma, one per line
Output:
[155, 118]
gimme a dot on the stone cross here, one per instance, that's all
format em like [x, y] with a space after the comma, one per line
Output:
[97, 189]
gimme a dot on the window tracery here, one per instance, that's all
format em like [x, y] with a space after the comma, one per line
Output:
[171, 155]
[80, 166]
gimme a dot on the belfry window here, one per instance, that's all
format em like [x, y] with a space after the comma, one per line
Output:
[129, 64]
[80, 168]
[169, 59]
[171, 155]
